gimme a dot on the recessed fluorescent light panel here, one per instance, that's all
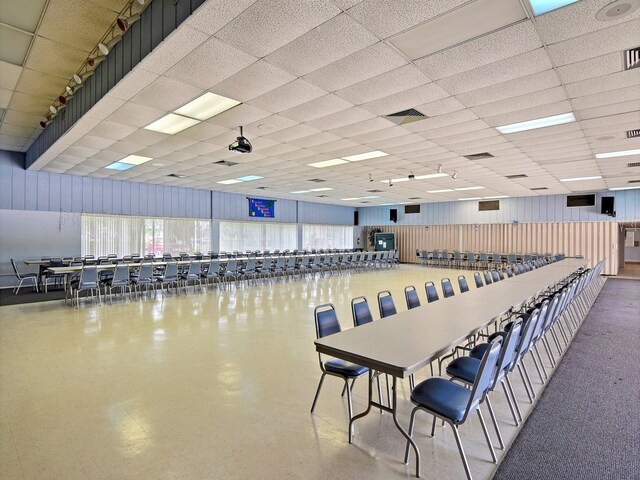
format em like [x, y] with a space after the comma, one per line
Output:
[328, 163]
[120, 166]
[441, 191]
[543, 6]
[457, 26]
[495, 197]
[469, 188]
[621, 153]
[230, 182]
[365, 156]
[301, 191]
[207, 106]
[248, 178]
[537, 123]
[578, 179]
[349, 199]
[370, 196]
[395, 180]
[624, 188]
[323, 189]
[135, 159]
[172, 124]
[470, 198]
[431, 175]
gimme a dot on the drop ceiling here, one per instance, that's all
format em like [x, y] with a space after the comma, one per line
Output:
[317, 81]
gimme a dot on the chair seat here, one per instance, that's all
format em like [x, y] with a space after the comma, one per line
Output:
[28, 275]
[464, 368]
[442, 397]
[347, 369]
[478, 350]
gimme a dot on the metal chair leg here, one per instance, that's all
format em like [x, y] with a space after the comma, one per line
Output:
[486, 436]
[461, 450]
[315, 399]
[495, 423]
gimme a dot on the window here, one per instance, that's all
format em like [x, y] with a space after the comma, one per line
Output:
[326, 236]
[105, 234]
[249, 236]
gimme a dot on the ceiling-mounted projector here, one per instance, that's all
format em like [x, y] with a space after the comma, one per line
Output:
[241, 145]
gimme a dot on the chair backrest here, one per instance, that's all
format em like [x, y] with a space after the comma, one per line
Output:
[360, 311]
[509, 272]
[484, 257]
[457, 257]
[487, 277]
[326, 320]
[411, 295]
[512, 258]
[527, 333]
[462, 283]
[171, 272]
[508, 352]
[478, 278]
[15, 269]
[146, 272]
[494, 276]
[432, 293]
[232, 266]
[385, 304]
[194, 268]
[447, 288]
[88, 277]
[484, 376]
[121, 275]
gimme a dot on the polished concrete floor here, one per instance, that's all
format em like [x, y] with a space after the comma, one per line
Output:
[214, 385]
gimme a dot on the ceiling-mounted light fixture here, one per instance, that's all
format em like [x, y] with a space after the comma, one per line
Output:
[53, 110]
[46, 121]
[105, 47]
[96, 60]
[77, 78]
[370, 178]
[125, 23]
[70, 90]
[62, 99]
[440, 168]
[455, 175]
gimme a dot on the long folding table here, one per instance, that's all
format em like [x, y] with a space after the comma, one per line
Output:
[404, 343]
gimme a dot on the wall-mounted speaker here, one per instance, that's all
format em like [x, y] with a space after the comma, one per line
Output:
[355, 217]
[393, 215]
[607, 206]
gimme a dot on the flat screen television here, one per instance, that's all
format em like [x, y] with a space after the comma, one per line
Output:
[261, 208]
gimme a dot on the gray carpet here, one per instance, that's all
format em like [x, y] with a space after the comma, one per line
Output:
[587, 422]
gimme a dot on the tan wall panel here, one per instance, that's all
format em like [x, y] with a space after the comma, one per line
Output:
[593, 240]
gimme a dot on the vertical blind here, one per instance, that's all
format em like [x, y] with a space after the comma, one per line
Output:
[326, 236]
[123, 235]
[250, 236]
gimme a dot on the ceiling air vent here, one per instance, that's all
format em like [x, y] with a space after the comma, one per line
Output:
[633, 133]
[261, 188]
[175, 175]
[415, 198]
[374, 191]
[478, 156]
[634, 181]
[632, 58]
[226, 163]
[406, 116]
[323, 196]
[317, 180]
[634, 164]
[539, 188]
[512, 177]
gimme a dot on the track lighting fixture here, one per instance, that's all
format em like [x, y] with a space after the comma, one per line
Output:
[77, 78]
[53, 110]
[455, 175]
[62, 100]
[125, 23]
[370, 178]
[70, 90]
[105, 47]
[440, 168]
[93, 62]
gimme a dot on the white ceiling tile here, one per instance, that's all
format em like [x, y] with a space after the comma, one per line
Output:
[97, 143]
[314, 140]
[135, 115]
[166, 94]
[212, 15]
[502, 71]
[595, 44]
[292, 133]
[592, 68]
[362, 65]
[439, 121]
[258, 78]
[629, 78]
[288, 96]
[112, 130]
[9, 75]
[132, 83]
[521, 102]
[339, 119]
[172, 49]
[512, 88]
[505, 43]
[486, 133]
[202, 131]
[105, 107]
[575, 20]
[124, 148]
[325, 44]
[196, 68]
[145, 137]
[612, 109]
[320, 107]
[401, 79]
[407, 99]
[388, 17]
[532, 113]
[365, 126]
[606, 98]
[241, 115]
[274, 23]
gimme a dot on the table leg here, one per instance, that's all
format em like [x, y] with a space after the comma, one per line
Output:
[366, 412]
[402, 430]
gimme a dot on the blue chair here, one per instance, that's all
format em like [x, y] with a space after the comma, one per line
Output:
[360, 311]
[478, 279]
[22, 277]
[411, 295]
[494, 276]
[171, 277]
[487, 277]
[447, 288]
[462, 283]
[465, 369]
[88, 280]
[120, 279]
[432, 293]
[454, 403]
[327, 323]
[385, 304]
